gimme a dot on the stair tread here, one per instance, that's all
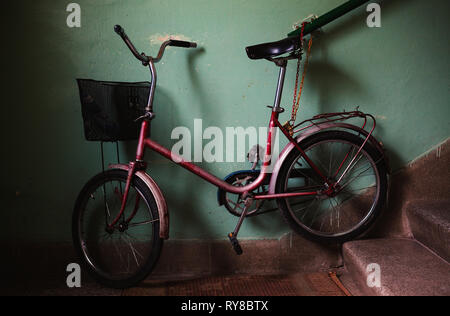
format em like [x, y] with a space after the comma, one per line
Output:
[435, 211]
[430, 224]
[407, 267]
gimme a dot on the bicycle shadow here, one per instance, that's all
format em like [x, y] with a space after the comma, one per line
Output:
[192, 58]
[328, 80]
[261, 224]
[326, 77]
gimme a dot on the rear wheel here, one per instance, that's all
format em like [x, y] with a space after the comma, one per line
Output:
[359, 187]
[125, 254]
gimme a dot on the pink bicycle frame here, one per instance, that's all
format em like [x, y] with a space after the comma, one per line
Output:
[137, 168]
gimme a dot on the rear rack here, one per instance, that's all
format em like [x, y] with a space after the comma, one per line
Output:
[327, 118]
[337, 117]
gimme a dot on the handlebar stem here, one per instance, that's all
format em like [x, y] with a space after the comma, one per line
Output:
[151, 96]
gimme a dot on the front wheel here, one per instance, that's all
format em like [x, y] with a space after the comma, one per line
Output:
[122, 255]
[359, 187]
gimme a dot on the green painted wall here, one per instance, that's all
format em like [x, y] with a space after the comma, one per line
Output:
[398, 72]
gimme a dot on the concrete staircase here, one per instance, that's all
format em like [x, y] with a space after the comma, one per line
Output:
[407, 267]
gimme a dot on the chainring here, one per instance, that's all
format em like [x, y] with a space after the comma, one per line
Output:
[233, 202]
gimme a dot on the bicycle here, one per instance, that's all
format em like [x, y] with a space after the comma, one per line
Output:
[329, 182]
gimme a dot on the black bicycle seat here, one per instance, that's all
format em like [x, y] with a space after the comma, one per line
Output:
[273, 49]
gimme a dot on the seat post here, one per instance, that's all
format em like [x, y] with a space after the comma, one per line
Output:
[282, 64]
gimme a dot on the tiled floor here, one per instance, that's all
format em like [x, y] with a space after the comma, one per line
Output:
[311, 284]
[314, 284]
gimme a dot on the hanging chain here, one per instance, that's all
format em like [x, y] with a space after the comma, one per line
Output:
[289, 125]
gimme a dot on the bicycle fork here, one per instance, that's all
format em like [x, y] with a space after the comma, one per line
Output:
[124, 198]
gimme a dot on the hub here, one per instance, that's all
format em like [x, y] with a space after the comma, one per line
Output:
[332, 190]
[123, 227]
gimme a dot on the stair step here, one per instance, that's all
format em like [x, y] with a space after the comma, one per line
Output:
[430, 224]
[406, 267]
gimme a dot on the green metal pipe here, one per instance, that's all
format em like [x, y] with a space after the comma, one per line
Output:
[329, 17]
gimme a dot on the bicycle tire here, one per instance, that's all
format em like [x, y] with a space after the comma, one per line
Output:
[81, 245]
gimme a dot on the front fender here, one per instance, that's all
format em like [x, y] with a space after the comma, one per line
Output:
[313, 130]
[157, 194]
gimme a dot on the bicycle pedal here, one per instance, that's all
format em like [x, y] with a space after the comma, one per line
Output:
[235, 243]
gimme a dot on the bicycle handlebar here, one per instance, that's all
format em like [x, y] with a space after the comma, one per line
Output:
[184, 44]
[142, 57]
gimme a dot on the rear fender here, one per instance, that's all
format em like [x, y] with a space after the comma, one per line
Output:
[157, 194]
[315, 129]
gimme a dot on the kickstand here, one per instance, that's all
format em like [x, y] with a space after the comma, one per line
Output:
[233, 236]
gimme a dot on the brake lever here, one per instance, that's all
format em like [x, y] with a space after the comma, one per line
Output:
[147, 115]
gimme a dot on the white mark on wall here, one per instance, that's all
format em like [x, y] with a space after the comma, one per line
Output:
[158, 39]
[380, 117]
[438, 152]
[309, 18]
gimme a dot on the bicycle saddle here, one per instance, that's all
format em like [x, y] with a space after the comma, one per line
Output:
[273, 49]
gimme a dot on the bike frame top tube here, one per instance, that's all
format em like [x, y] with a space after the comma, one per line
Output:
[208, 176]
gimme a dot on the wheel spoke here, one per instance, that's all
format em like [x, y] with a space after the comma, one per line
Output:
[353, 163]
[143, 223]
[304, 208]
[133, 250]
[331, 160]
[335, 210]
[306, 176]
[357, 176]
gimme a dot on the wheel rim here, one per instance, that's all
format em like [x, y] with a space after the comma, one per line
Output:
[353, 203]
[124, 252]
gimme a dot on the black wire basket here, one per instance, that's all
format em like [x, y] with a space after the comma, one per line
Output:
[110, 109]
